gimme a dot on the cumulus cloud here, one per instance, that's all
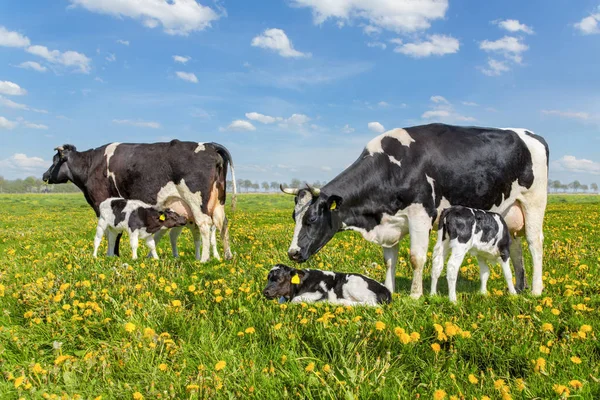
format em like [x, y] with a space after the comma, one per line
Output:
[265, 119]
[509, 46]
[69, 58]
[181, 59]
[31, 125]
[435, 45]
[177, 17]
[513, 25]
[187, 76]
[33, 66]
[495, 68]
[123, 42]
[12, 39]
[11, 89]
[111, 58]
[589, 25]
[443, 110]
[21, 163]
[277, 40]
[240, 125]
[137, 123]
[439, 99]
[469, 103]
[376, 127]
[6, 124]
[297, 119]
[574, 164]
[567, 114]
[380, 45]
[392, 15]
[11, 104]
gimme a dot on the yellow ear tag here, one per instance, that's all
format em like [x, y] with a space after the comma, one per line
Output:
[162, 217]
[295, 279]
[333, 206]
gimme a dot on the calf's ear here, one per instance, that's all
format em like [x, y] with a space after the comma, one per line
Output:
[161, 216]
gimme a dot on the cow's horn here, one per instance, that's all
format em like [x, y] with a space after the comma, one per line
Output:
[59, 148]
[288, 190]
[314, 191]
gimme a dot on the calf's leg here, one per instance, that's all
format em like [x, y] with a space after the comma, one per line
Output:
[484, 274]
[99, 233]
[454, 263]
[390, 257]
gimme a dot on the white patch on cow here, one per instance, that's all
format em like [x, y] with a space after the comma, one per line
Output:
[357, 289]
[394, 161]
[330, 273]
[323, 286]
[108, 153]
[200, 147]
[308, 297]
[301, 208]
[374, 146]
[430, 180]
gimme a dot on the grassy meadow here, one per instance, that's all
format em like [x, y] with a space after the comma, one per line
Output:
[72, 326]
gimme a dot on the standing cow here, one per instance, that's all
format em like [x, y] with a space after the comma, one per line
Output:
[404, 178]
[187, 177]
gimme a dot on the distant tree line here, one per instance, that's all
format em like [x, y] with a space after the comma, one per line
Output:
[31, 184]
[573, 187]
[246, 185]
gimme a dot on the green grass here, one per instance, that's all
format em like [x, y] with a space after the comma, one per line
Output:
[65, 316]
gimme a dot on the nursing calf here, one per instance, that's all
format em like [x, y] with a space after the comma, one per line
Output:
[140, 220]
[482, 233]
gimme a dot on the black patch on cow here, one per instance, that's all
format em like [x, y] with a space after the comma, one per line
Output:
[145, 217]
[117, 207]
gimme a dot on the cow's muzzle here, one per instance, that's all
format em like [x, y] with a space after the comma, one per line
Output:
[296, 255]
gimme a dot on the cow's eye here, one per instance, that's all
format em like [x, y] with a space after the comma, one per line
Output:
[312, 219]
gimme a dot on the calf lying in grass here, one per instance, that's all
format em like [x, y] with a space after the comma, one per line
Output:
[309, 285]
[482, 233]
[139, 219]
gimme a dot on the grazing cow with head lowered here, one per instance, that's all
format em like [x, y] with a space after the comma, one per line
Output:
[187, 177]
[404, 178]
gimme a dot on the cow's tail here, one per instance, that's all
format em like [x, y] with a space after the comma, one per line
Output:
[224, 153]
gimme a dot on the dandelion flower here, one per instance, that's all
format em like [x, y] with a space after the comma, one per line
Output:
[575, 384]
[310, 367]
[379, 325]
[250, 330]
[163, 367]
[585, 328]
[19, 381]
[278, 326]
[327, 368]
[561, 390]
[473, 379]
[220, 365]
[439, 394]
[138, 396]
[435, 347]
[547, 327]
[176, 303]
[129, 327]
[576, 360]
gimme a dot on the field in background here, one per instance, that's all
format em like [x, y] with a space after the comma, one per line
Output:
[112, 327]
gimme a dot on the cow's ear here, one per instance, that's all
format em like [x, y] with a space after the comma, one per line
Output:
[334, 202]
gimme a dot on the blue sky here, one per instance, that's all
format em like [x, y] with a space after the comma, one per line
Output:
[295, 88]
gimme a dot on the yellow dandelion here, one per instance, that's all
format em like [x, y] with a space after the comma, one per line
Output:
[499, 384]
[379, 325]
[303, 321]
[547, 327]
[540, 365]
[138, 396]
[585, 328]
[575, 384]
[129, 327]
[357, 318]
[561, 390]
[278, 326]
[473, 379]
[220, 365]
[163, 367]
[19, 381]
[310, 367]
[250, 330]
[405, 338]
[191, 288]
[544, 349]
[435, 347]
[555, 311]
[576, 360]
[176, 303]
[398, 331]
[439, 394]
[415, 336]
[192, 387]
[327, 368]
[520, 383]
[219, 299]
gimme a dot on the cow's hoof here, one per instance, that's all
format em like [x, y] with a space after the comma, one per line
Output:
[228, 255]
[415, 296]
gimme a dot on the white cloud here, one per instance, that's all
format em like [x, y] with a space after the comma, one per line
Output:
[68, 58]
[98, 79]
[509, 46]
[469, 103]
[513, 25]
[347, 129]
[35, 126]
[12, 39]
[573, 164]
[381, 45]
[325, 168]
[33, 65]
[277, 40]
[589, 25]
[265, 119]
[439, 100]
[177, 17]
[241, 125]
[123, 42]
[181, 59]
[111, 58]
[6, 124]
[376, 127]
[383, 104]
[495, 67]
[435, 114]
[11, 104]
[567, 114]
[437, 45]
[187, 76]
[297, 119]
[137, 123]
[19, 162]
[11, 89]
[393, 15]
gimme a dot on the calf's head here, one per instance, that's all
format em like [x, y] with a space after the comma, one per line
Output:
[59, 171]
[170, 219]
[317, 220]
[280, 283]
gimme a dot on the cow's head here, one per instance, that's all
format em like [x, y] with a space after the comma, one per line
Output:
[317, 220]
[59, 171]
[280, 281]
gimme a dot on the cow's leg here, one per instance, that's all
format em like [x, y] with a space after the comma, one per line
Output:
[99, 233]
[390, 257]
[197, 241]
[205, 234]
[419, 228]
[220, 220]
[484, 274]
[152, 246]
[454, 262]
[133, 241]
[112, 237]
[516, 255]
[213, 242]
[440, 251]
[508, 276]
[534, 220]
[173, 235]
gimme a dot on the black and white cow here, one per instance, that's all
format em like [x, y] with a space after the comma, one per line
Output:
[404, 178]
[187, 177]
[138, 219]
[463, 230]
[312, 285]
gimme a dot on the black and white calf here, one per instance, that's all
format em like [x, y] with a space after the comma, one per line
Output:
[467, 230]
[139, 219]
[310, 285]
